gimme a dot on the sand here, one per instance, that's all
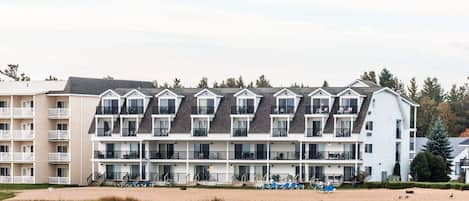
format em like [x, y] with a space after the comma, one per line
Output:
[192, 194]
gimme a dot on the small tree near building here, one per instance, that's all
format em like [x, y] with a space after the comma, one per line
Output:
[438, 143]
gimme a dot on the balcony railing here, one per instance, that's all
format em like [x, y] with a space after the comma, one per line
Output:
[23, 135]
[342, 132]
[312, 109]
[5, 135]
[312, 132]
[282, 110]
[207, 155]
[129, 132]
[59, 157]
[59, 180]
[23, 179]
[58, 135]
[133, 110]
[242, 110]
[203, 110]
[101, 132]
[248, 155]
[117, 155]
[160, 132]
[5, 112]
[58, 112]
[5, 156]
[464, 162]
[284, 155]
[279, 132]
[107, 110]
[347, 110]
[172, 155]
[200, 132]
[330, 155]
[23, 156]
[25, 112]
[6, 179]
[164, 110]
[240, 132]
[121, 176]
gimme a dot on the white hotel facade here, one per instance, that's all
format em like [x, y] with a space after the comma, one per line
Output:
[227, 135]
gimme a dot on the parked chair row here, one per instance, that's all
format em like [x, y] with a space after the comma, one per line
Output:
[285, 186]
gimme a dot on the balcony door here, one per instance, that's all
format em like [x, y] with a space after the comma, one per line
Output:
[60, 104]
[201, 151]
[110, 149]
[166, 151]
[243, 173]
[286, 105]
[320, 105]
[62, 126]
[135, 106]
[4, 126]
[246, 105]
[242, 151]
[349, 173]
[165, 172]
[4, 148]
[110, 106]
[132, 128]
[167, 106]
[27, 171]
[61, 149]
[201, 173]
[206, 106]
[349, 103]
[261, 151]
[4, 171]
[316, 173]
[316, 151]
[62, 172]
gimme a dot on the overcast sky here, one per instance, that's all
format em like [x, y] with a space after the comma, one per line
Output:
[289, 41]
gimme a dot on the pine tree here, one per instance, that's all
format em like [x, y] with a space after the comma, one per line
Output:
[386, 79]
[370, 76]
[240, 82]
[412, 89]
[177, 83]
[12, 72]
[432, 89]
[262, 82]
[203, 83]
[155, 84]
[325, 84]
[438, 143]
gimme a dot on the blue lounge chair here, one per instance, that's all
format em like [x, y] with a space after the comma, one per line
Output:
[293, 185]
[301, 186]
[286, 186]
[273, 185]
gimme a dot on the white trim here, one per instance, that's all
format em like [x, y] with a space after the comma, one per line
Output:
[249, 91]
[290, 91]
[320, 89]
[347, 89]
[397, 94]
[109, 90]
[135, 90]
[171, 92]
[207, 90]
[68, 94]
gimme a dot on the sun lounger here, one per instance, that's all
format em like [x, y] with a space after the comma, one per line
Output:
[293, 185]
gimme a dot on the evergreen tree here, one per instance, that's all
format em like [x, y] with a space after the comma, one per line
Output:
[412, 89]
[155, 84]
[386, 79]
[177, 83]
[370, 76]
[429, 168]
[455, 94]
[325, 84]
[438, 143]
[432, 89]
[250, 85]
[262, 82]
[231, 82]
[203, 83]
[240, 82]
[51, 78]
[12, 72]
[396, 170]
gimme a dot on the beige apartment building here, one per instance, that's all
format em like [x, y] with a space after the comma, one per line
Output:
[44, 129]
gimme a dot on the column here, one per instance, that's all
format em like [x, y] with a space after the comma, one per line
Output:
[140, 159]
[227, 161]
[301, 160]
[306, 172]
[187, 162]
[268, 162]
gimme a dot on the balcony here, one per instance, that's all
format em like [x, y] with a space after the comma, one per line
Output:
[279, 132]
[59, 157]
[59, 180]
[5, 156]
[158, 132]
[116, 155]
[203, 110]
[129, 132]
[58, 135]
[23, 135]
[58, 113]
[5, 112]
[464, 163]
[207, 155]
[166, 110]
[5, 179]
[23, 179]
[347, 110]
[200, 132]
[282, 110]
[248, 155]
[284, 155]
[133, 110]
[170, 155]
[310, 109]
[107, 110]
[102, 132]
[240, 132]
[330, 155]
[343, 132]
[23, 112]
[5, 135]
[120, 176]
[23, 156]
[313, 132]
[242, 110]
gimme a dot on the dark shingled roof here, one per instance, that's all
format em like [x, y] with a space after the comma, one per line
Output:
[95, 86]
[261, 122]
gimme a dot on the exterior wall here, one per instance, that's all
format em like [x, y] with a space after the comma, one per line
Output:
[41, 143]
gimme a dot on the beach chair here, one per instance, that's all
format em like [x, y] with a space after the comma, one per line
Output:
[273, 185]
[286, 186]
[293, 186]
[266, 186]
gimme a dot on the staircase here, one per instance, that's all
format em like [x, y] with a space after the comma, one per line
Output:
[97, 181]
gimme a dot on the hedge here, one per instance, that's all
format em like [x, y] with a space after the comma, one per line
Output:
[404, 185]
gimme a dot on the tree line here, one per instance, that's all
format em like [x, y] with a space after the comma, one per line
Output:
[451, 106]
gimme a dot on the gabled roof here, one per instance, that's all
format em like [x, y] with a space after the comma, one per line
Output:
[168, 91]
[246, 91]
[135, 91]
[363, 83]
[288, 91]
[95, 86]
[319, 90]
[109, 91]
[349, 89]
[206, 91]
[405, 99]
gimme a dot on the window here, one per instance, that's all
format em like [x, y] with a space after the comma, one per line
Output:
[398, 151]
[206, 106]
[368, 170]
[4, 148]
[4, 171]
[246, 105]
[398, 129]
[135, 106]
[286, 105]
[369, 126]
[320, 105]
[457, 168]
[167, 106]
[349, 105]
[62, 149]
[368, 148]
[60, 104]
[62, 126]
[4, 126]
[411, 146]
[3, 104]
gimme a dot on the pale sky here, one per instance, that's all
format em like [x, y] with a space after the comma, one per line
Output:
[289, 41]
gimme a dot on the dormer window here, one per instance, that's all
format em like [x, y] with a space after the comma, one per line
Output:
[205, 106]
[167, 106]
[110, 106]
[348, 106]
[320, 106]
[285, 106]
[245, 106]
[135, 106]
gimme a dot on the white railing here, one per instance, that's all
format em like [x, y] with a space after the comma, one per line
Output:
[23, 134]
[23, 179]
[5, 179]
[58, 135]
[23, 111]
[59, 180]
[5, 156]
[5, 135]
[5, 112]
[59, 157]
[23, 156]
[58, 112]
